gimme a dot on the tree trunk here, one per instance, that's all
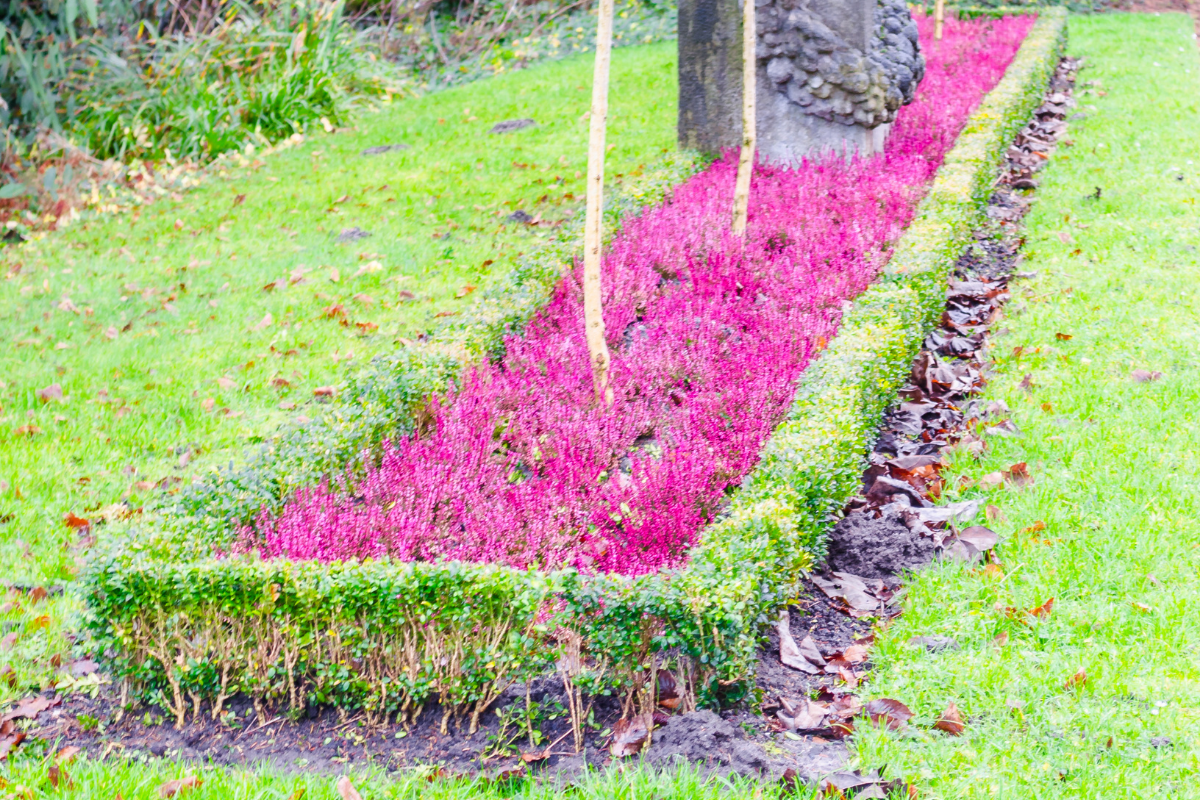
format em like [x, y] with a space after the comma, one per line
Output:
[741, 193]
[593, 311]
[939, 17]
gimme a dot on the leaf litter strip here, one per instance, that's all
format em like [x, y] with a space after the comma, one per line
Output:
[895, 525]
[813, 664]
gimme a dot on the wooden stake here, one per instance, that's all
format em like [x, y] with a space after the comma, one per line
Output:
[593, 311]
[741, 191]
[939, 17]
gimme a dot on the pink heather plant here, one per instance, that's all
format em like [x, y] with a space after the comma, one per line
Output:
[709, 335]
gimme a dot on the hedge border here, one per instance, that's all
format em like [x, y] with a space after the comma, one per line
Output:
[386, 638]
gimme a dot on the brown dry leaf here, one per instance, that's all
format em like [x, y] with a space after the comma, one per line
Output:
[286, 405]
[52, 393]
[807, 715]
[298, 794]
[629, 736]
[1043, 610]
[1145, 376]
[950, 721]
[179, 786]
[1001, 638]
[72, 521]
[1063, 337]
[1047, 408]
[323, 391]
[111, 332]
[9, 640]
[991, 480]
[67, 754]
[346, 789]
[994, 571]
[208, 403]
[979, 537]
[37, 594]
[1078, 679]
[1036, 527]
[365, 299]
[28, 430]
[1027, 383]
[793, 655]
[58, 777]
[30, 707]
[8, 676]
[465, 290]
[889, 712]
[855, 653]
[994, 514]
[1018, 475]
[1065, 237]
[1142, 607]
[226, 383]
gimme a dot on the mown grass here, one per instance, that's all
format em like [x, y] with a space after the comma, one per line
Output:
[173, 355]
[139, 780]
[1114, 240]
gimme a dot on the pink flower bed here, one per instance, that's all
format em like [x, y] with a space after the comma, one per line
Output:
[709, 335]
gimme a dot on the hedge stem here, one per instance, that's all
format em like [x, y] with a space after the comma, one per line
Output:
[593, 311]
[741, 192]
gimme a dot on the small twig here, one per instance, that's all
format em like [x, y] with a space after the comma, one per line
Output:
[249, 731]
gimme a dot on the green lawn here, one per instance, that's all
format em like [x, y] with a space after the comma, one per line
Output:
[1118, 476]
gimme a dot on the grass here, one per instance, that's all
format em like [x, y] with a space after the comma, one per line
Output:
[1116, 469]
[173, 356]
[134, 780]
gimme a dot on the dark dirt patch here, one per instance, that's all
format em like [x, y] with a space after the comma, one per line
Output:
[893, 527]
[877, 547]
[510, 125]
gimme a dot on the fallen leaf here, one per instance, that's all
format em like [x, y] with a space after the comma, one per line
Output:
[1142, 607]
[791, 654]
[1078, 679]
[287, 405]
[1043, 610]
[1034, 528]
[334, 276]
[629, 736]
[369, 268]
[28, 430]
[323, 391]
[1063, 337]
[265, 322]
[365, 299]
[1001, 638]
[855, 654]
[465, 290]
[1145, 376]
[1065, 237]
[37, 594]
[346, 789]
[807, 715]
[991, 480]
[979, 537]
[179, 786]
[890, 712]
[30, 707]
[8, 676]
[110, 332]
[72, 521]
[1026, 383]
[8, 642]
[208, 403]
[58, 777]
[950, 721]
[226, 383]
[53, 392]
[1018, 475]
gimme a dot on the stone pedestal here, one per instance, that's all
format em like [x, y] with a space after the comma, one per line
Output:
[831, 75]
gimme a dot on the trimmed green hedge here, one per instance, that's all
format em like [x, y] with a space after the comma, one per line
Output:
[387, 637]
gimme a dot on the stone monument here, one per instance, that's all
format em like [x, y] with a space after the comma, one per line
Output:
[831, 74]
